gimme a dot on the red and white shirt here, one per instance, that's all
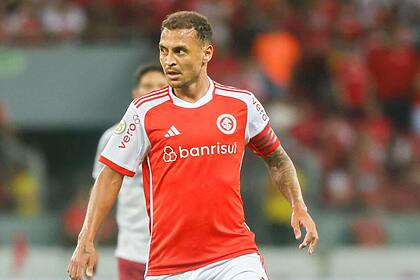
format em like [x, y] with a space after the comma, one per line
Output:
[191, 155]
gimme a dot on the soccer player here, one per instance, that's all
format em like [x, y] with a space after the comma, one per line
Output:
[190, 138]
[133, 224]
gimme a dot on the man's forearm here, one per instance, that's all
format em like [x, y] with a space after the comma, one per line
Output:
[102, 198]
[284, 175]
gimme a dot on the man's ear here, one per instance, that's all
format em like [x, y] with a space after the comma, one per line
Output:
[208, 53]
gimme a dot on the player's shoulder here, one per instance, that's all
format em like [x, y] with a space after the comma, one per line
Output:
[151, 99]
[234, 92]
[110, 130]
[231, 89]
[106, 136]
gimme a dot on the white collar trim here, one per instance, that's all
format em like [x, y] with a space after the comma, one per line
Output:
[206, 98]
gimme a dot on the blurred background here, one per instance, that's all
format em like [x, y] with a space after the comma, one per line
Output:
[340, 80]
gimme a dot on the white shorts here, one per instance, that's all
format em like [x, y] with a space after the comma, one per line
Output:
[246, 267]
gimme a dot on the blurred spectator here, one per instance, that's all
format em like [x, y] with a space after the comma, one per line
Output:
[25, 190]
[393, 63]
[277, 54]
[74, 215]
[351, 79]
[368, 231]
[63, 20]
[415, 118]
[5, 197]
[369, 158]
[20, 23]
[20, 253]
[337, 137]
[21, 171]
[102, 21]
[218, 12]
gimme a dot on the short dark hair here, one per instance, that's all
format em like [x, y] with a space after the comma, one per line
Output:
[144, 69]
[188, 20]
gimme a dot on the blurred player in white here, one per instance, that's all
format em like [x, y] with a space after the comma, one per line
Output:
[133, 223]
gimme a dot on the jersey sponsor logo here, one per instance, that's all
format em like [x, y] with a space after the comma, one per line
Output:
[120, 127]
[259, 108]
[226, 123]
[170, 154]
[173, 131]
[129, 132]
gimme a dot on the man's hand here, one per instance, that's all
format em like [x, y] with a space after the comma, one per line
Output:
[83, 261]
[301, 217]
[102, 197]
[284, 175]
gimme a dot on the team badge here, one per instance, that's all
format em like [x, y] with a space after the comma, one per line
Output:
[226, 123]
[120, 127]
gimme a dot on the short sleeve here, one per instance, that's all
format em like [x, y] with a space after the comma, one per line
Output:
[97, 166]
[260, 136]
[257, 118]
[128, 144]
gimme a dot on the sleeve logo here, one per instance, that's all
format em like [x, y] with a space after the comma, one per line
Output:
[120, 127]
[129, 131]
[260, 109]
[226, 123]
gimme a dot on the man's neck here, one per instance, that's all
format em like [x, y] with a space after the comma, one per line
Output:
[193, 92]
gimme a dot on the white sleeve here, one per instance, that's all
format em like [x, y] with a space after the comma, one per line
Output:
[97, 166]
[128, 144]
[257, 118]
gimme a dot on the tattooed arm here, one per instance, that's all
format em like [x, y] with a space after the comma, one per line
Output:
[283, 173]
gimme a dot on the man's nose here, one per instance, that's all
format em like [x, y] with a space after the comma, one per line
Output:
[170, 59]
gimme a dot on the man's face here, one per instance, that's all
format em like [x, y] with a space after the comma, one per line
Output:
[182, 56]
[150, 81]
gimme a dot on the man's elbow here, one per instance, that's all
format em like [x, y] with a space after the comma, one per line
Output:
[109, 176]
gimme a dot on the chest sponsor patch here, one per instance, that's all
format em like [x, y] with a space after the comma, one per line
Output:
[171, 154]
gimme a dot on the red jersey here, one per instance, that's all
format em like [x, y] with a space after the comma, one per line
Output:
[191, 156]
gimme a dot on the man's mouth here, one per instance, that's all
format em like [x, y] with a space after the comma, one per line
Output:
[173, 74]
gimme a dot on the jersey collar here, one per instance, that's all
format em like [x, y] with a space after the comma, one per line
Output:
[203, 100]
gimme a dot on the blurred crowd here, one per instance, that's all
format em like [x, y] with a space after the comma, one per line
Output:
[341, 79]
[21, 173]
[349, 72]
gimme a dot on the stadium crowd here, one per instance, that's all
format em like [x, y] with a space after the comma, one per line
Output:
[341, 79]
[21, 172]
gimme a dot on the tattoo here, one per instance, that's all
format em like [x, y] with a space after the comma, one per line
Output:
[283, 173]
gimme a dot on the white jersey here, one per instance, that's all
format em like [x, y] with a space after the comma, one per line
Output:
[132, 219]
